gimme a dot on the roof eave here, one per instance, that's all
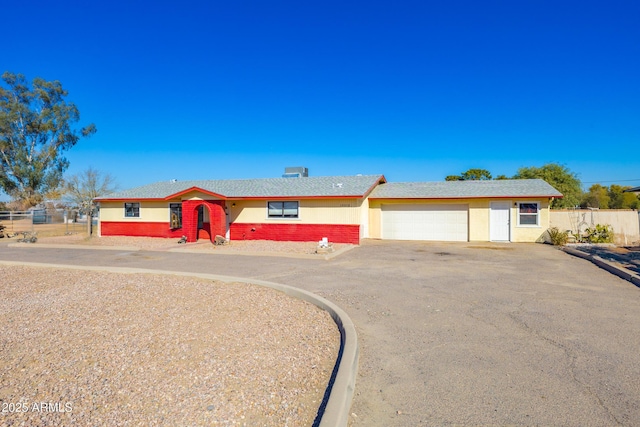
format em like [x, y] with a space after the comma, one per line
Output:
[173, 196]
[466, 197]
[126, 199]
[326, 196]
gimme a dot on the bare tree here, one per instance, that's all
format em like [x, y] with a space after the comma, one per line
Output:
[81, 190]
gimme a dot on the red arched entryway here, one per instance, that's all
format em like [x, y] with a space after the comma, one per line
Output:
[217, 219]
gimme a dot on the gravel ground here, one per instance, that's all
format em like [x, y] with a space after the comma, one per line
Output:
[155, 243]
[104, 349]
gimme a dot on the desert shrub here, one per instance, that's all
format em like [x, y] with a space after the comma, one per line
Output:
[600, 233]
[557, 237]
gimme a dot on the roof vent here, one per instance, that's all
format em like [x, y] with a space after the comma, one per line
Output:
[173, 180]
[296, 172]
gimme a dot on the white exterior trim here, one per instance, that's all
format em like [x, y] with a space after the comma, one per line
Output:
[537, 224]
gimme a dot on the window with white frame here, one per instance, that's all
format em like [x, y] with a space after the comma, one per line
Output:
[132, 210]
[282, 209]
[529, 214]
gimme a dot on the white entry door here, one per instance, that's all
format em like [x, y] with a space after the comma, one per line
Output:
[499, 224]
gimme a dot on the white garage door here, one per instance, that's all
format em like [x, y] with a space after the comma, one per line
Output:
[425, 222]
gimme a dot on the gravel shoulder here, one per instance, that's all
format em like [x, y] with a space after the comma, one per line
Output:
[135, 349]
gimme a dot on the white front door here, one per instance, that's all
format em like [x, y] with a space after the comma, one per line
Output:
[499, 222]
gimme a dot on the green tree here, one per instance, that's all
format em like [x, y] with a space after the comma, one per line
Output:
[597, 197]
[471, 175]
[558, 176]
[476, 175]
[81, 189]
[36, 127]
[622, 200]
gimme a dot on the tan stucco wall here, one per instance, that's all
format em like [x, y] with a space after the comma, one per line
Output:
[320, 211]
[354, 211]
[149, 212]
[479, 216]
[311, 211]
[529, 234]
[625, 223]
[196, 195]
[364, 218]
[477, 219]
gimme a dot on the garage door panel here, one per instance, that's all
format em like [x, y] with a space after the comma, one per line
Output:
[425, 222]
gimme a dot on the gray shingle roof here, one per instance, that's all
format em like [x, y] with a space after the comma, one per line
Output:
[465, 189]
[329, 186]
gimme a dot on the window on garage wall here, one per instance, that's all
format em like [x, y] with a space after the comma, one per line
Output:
[528, 214]
[282, 209]
[132, 210]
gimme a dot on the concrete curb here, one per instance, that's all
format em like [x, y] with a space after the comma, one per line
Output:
[611, 267]
[334, 411]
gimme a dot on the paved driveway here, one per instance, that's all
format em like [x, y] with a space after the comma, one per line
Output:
[459, 333]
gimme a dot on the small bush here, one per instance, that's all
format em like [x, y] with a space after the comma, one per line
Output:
[557, 237]
[599, 234]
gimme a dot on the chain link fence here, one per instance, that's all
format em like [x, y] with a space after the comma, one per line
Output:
[43, 222]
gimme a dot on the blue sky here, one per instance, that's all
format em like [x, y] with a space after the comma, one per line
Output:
[414, 90]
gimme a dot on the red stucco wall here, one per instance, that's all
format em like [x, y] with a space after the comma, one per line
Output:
[217, 218]
[148, 229]
[336, 233]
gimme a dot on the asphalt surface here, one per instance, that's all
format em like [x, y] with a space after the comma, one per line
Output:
[456, 333]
